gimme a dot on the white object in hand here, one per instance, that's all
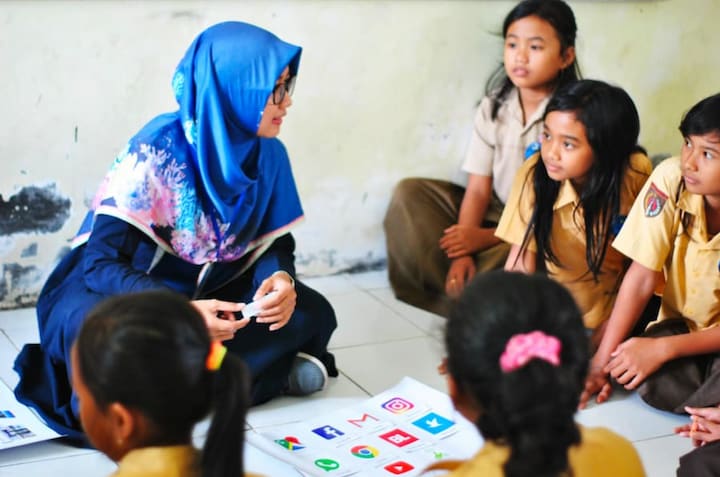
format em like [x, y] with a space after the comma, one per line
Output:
[252, 309]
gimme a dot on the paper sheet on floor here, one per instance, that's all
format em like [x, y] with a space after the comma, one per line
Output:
[19, 426]
[398, 432]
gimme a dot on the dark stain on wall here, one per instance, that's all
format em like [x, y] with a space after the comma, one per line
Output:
[34, 209]
[18, 285]
[29, 251]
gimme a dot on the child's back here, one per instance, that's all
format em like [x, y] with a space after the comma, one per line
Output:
[517, 359]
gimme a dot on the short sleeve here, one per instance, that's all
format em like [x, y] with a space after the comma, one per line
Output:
[479, 156]
[518, 209]
[647, 236]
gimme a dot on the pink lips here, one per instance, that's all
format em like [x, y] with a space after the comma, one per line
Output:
[521, 72]
[690, 180]
[552, 169]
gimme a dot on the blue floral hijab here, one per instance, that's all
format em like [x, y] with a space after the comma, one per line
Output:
[199, 181]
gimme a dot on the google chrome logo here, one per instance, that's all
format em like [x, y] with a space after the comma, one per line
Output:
[364, 452]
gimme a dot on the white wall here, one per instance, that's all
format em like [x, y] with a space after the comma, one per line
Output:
[386, 90]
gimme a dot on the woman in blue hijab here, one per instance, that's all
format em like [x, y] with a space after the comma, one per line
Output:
[201, 201]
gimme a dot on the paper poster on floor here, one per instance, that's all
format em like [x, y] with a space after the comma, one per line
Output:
[19, 426]
[401, 431]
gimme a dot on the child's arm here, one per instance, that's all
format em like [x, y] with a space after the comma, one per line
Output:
[637, 358]
[467, 236]
[637, 287]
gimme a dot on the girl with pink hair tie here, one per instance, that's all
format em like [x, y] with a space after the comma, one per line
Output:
[517, 356]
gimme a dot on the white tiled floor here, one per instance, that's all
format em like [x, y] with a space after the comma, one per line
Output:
[378, 341]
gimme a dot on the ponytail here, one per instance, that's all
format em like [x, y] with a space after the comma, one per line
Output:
[517, 348]
[222, 454]
[540, 425]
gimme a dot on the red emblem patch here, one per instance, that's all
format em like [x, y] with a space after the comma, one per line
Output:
[654, 201]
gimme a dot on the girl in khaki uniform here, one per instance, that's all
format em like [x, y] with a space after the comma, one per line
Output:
[440, 234]
[672, 235]
[146, 371]
[568, 203]
[517, 359]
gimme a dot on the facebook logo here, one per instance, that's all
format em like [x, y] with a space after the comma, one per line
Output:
[328, 432]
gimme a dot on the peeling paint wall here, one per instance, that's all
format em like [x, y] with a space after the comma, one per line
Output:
[386, 90]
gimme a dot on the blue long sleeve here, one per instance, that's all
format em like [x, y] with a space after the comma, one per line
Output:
[111, 251]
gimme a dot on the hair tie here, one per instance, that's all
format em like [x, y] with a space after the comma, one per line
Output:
[215, 356]
[523, 347]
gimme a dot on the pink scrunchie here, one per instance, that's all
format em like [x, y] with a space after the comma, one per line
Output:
[523, 347]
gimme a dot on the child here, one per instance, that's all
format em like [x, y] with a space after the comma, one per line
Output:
[517, 358]
[145, 372]
[672, 235]
[539, 55]
[569, 201]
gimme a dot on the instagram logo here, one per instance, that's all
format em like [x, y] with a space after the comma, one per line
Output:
[398, 405]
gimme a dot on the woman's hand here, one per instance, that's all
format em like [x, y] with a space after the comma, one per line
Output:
[461, 271]
[220, 318]
[277, 309]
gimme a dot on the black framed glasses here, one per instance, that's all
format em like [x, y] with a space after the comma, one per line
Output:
[282, 89]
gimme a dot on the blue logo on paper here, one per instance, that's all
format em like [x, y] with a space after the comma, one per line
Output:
[433, 423]
[328, 432]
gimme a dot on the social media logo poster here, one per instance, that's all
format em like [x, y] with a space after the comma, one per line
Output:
[365, 452]
[290, 443]
[398, 438]
[398, 405]
[328, 432]
[434, 423]
[398, 468]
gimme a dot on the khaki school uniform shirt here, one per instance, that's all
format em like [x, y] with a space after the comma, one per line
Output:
[601, 453]
[595, 299]
[169, 461]
[654, 236]
[497, 148]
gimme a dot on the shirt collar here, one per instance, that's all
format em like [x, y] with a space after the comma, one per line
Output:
[516, 111]
[567, 195]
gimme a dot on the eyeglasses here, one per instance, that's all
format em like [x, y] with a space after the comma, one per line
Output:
[280, 90]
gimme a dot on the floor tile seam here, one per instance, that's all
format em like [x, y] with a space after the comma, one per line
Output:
[407, 320]
[34, 460]
[358, 385]
[660, 436]
[12, 342]
[372, 343]
[401, 315]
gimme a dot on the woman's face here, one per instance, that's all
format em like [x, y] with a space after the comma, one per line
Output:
[273, 114]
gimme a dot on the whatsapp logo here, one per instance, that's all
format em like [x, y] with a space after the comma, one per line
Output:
[327, 464]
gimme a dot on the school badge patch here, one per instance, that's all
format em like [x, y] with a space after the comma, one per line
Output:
[654, 201]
